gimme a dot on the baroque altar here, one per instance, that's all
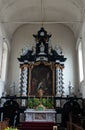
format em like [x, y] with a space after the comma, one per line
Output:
[41, 77]
[41, 67]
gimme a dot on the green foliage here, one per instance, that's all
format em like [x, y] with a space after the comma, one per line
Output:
[50, 103]
[36, 102]
[30, 103]
[44, 102]
[11, 128]
[47, 102]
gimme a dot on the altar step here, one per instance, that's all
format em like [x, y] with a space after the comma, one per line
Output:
[37, 126]
[19, 126]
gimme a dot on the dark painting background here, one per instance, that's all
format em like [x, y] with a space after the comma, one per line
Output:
[41, 78]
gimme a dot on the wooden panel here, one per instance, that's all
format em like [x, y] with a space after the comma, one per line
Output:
[3, 125]
[72, 126]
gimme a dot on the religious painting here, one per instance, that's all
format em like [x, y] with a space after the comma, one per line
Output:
[41, 80]
[40, 116]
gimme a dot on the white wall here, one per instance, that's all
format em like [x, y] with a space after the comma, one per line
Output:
[1, 83]
[82, 35]
[3, 34]
[61, 35]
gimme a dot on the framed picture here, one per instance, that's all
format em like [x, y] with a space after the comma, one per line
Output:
[41, 80]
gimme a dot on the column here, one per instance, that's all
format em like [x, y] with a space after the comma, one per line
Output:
[24, 80]
[57, 79]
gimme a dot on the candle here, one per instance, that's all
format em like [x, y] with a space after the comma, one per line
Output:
[2, 116]
[54, 127]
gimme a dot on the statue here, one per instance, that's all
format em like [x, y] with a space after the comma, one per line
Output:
[42, 48]
[40, 92]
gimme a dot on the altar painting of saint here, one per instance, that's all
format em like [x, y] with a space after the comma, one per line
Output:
[41, 79]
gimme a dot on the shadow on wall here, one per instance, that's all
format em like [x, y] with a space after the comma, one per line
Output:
[1, 87]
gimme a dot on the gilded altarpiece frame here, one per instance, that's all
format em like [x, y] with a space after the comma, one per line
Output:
[42, 78]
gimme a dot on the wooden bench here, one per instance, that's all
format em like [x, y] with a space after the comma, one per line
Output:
[3, 124]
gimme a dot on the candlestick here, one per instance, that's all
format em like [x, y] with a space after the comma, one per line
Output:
[54, 127]
[2, 116]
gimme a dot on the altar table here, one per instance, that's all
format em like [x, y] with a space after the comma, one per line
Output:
[40, 116]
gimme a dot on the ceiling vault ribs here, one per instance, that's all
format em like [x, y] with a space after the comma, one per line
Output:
[42, 22]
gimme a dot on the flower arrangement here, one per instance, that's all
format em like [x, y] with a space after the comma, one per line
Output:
[11, 128]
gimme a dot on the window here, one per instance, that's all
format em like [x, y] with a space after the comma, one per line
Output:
[80, 59]
[3, 61]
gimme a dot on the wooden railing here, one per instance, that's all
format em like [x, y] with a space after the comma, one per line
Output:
[73, 126]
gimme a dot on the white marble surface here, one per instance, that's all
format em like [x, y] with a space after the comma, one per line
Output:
[35, 111]
[33, 115]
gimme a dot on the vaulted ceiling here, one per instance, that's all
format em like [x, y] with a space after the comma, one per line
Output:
[14, 13]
